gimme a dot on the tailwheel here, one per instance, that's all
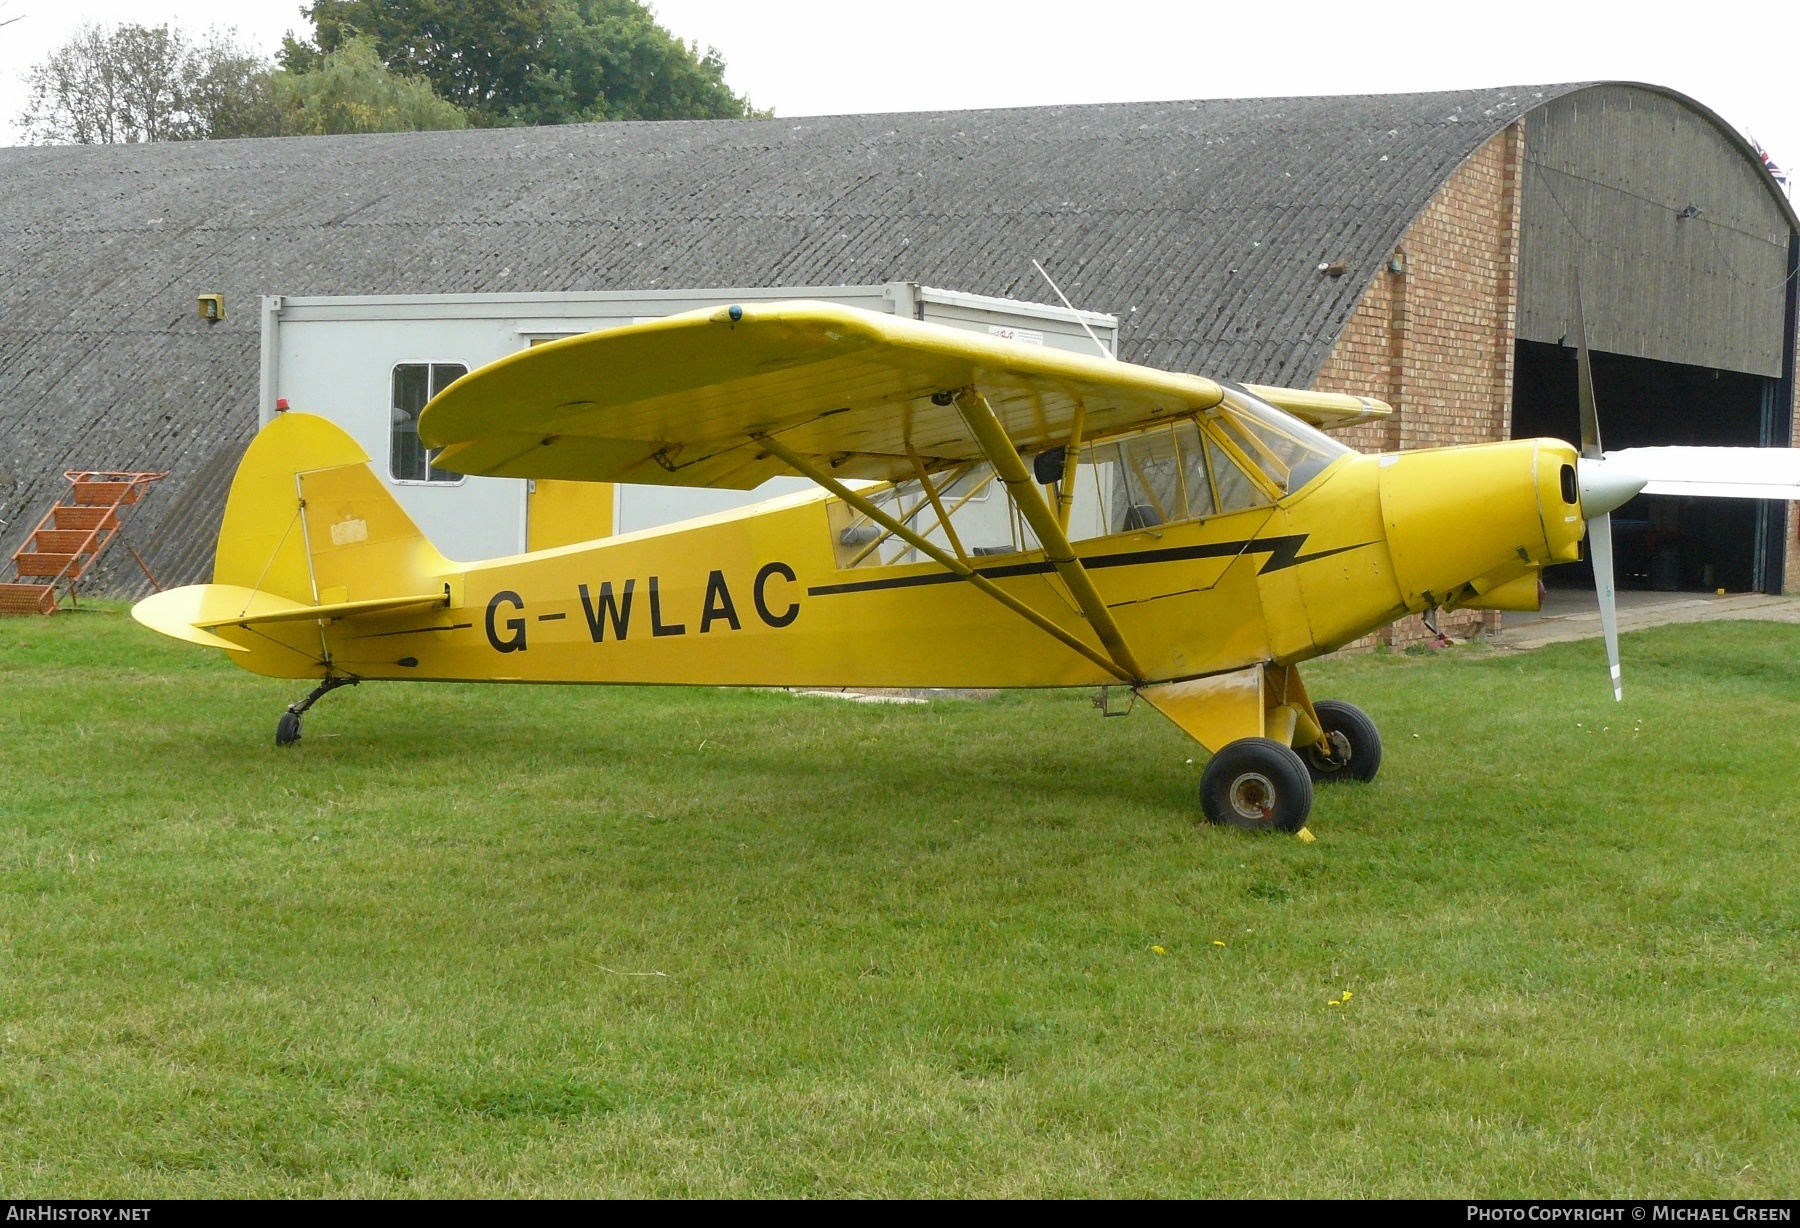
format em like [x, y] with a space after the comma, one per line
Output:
[1354, 742]
[287, 729]
[1257, 784]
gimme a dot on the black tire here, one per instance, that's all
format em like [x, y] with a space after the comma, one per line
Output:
[1355, 739]
[287, 729]
[1257, 784]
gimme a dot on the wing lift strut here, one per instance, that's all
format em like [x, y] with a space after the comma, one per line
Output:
[1115, 655]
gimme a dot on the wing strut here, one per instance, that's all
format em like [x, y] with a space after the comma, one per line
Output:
[937, 502]
[925, 547]
[1048, 526]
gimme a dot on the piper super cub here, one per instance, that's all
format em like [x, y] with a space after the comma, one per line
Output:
[987, 514]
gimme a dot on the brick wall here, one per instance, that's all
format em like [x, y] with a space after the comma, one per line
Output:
[1434, 334]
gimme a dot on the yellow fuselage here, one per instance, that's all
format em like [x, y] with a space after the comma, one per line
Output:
[758, 598]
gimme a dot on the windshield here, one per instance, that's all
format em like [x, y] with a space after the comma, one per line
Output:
[1286, 449]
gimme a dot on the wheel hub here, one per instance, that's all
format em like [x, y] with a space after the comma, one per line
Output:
[1253, 797]
[1339, 754]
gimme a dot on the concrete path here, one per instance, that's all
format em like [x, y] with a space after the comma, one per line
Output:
[1570, 614]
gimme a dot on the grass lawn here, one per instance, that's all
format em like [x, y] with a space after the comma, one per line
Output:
[489, 941]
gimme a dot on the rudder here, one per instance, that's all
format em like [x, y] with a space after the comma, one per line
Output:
[308, 520]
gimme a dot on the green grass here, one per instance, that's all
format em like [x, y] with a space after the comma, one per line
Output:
[905, 950]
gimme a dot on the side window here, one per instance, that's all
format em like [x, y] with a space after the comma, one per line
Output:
[1160, 476]
[1148, 490]
[984, 523]
[1168, 474]
[415, 383]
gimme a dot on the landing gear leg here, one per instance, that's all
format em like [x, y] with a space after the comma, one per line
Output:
[287, 729]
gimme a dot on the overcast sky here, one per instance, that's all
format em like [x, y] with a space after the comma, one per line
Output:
[818, 57]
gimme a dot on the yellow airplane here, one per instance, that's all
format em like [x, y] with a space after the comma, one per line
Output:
[987, 514]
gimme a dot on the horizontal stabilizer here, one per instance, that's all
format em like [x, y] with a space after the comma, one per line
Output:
[176, 612]
[329, 613]
[1715, 473]
[195, 612]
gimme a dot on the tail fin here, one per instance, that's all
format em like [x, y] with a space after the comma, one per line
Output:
[308, 520]
[309, 533]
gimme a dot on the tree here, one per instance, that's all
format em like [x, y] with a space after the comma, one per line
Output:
[351, 90]
[610, 60]
[136, 83]
[109, 87]
[532, 61]
[226, 90]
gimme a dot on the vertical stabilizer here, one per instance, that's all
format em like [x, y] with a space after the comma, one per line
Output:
[308, 520]
[310, 537]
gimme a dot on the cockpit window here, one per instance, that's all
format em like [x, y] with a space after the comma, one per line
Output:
[1157, 477]
[1235, 490]
[1226, 460]
[1289, 452]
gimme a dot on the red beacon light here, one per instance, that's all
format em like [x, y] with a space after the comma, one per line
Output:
[281, 405]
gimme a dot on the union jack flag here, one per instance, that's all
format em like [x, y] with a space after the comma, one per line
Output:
[1780, 176]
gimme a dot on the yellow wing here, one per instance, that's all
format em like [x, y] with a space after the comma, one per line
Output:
[680, 401]
[1322, 408]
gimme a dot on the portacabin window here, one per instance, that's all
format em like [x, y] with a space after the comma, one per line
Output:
[415, 383]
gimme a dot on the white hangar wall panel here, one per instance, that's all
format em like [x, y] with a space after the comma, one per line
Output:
[1609, 173]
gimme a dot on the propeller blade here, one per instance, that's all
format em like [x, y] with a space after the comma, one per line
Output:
[1601, 492]
[1709, 472]
[1590, 413]
[1600, 553]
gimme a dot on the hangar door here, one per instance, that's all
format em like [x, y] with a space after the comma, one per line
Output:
[1686, 254]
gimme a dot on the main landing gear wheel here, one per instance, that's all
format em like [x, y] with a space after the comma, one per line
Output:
[1355, 744]
[1257, 784]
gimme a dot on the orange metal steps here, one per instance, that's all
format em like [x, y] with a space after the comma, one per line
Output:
[27, 598]
[70, 538]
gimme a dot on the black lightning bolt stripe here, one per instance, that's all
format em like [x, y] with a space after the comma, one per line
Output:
[1283, 552]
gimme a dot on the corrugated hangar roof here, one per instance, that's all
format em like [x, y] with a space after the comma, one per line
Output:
[1201, 224]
